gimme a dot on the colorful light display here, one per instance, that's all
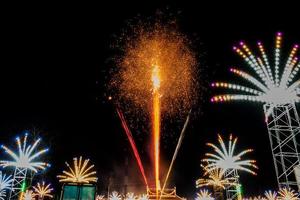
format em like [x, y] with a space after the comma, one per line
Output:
[80, 172]
[42, 190]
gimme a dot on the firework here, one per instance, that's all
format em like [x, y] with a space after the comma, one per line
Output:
[133, 145]
[204, 195]
[271, 195]
[42, 190]
[287, 194]
[157, 66]
[115, 196]
[82, 172]
[155, 56]
[226, 158]
[5, 183]
[26, 157]
[272, 86]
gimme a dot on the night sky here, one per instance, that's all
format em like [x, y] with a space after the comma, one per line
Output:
[55, 63]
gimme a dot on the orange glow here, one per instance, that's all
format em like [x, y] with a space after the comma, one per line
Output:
[156, 123]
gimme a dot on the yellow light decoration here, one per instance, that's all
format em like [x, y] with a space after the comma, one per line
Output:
[82, 172]
[287, 194]
[226, 158]
[42, 190]
[28, 195]
[215, 179]
[204, 195]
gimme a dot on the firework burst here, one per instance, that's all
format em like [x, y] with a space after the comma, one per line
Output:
[82, 172]
[26, 157]
[154, 49]
[272, 84]
[226, 158]
[42, 190]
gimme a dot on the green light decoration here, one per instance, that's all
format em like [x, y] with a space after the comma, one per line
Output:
[23, 189]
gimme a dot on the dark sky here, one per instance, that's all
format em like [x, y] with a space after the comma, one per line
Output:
[54, 67]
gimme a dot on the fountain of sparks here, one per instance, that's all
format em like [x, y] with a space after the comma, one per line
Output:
[155, 77]
[230, 162]
[26, 160]
[278, 90]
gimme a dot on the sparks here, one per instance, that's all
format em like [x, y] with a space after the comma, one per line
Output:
[156, 123]
[226, 158]
[80, 173]
[42, 190]
[26, 157]
[271, 86]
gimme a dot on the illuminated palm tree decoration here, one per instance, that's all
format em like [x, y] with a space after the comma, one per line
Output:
[271, 195]
[5, 184]
[287, 194]
[226, 159]
[276, 86]
[130, 196]
[81, 172]
[143, 197]
[115, 196]
[26, 158]
[28, 195]
[215, 178]
[204, 195]
[41, 190]
[100, 197]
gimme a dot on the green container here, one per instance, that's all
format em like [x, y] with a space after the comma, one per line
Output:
[78, 192]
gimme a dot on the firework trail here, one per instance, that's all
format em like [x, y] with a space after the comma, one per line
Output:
[176, 151]
[133, 145]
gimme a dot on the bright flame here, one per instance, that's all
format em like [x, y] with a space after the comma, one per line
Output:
[156, 122]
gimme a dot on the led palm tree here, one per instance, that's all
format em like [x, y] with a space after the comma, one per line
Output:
[41, 190]
[275, 86]
[143, 197]
[28, 195]
[115, 196]
[287, 194]
[26, 158]
[81, 172]
[271, 195]
[215, 178]
[225, 158]
[204, 195]
[5, 184]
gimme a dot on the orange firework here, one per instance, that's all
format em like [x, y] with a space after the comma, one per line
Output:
[157, 66]
[150, 45]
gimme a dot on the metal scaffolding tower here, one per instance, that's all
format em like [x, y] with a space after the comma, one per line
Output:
[284, 127]
[19, 183]
[233, 189]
